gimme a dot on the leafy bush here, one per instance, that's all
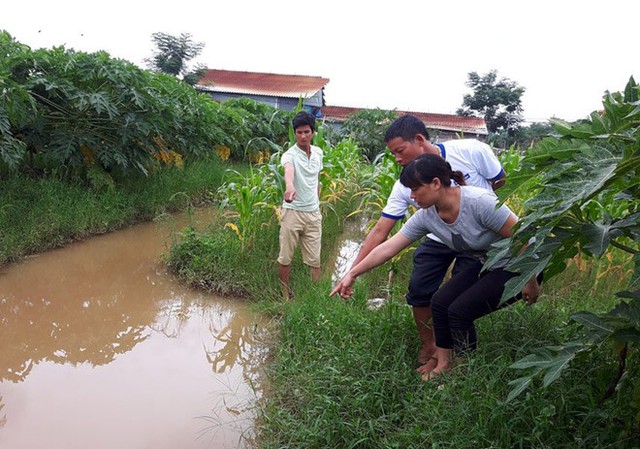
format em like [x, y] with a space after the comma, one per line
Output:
[367, 129]
[71, 113]
[264, 124]
[203, 260]
[68, 110]
[584, 197]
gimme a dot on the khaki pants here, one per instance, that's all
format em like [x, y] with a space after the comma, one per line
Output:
[303, 227]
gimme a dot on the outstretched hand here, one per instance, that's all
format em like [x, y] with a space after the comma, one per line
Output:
[531, 291]
[344, 287]
[290, 195]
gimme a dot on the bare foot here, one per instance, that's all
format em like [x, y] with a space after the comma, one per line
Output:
[425, 354]
[441, 368]
[428, 366]
[287, 294]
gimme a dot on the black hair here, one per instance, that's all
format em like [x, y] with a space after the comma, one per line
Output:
[304, 118]
[426, 167]
[406, 127]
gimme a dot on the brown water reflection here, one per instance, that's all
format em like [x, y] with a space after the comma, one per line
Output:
[101, 348]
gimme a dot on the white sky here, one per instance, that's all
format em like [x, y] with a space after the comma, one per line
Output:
[405, 54]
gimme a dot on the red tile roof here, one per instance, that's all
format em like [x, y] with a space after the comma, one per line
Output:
[269, 84]
[296, 86]
[450, 122]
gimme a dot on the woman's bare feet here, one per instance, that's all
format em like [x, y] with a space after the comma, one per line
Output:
[427, 366]
[440, 368]
[443, 363]
[426, 352]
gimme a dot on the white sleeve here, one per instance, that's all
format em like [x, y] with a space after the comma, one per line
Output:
[486, 162]
[398, 202]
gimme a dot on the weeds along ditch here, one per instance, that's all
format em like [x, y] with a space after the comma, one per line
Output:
[37, 214]
[342, 375]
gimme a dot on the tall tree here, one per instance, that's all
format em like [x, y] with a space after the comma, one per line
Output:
[498, 100]
[172, 55]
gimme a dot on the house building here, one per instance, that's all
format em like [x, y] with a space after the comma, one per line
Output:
[441, 126]
[285, 91]
[279, 91]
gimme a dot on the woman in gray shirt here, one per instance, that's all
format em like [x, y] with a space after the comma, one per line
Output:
[465, 219]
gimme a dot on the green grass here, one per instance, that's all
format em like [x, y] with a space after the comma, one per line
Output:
[40, 214]
[216, 260]
[343, 376]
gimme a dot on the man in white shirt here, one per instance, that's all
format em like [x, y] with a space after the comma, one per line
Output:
[301, 220]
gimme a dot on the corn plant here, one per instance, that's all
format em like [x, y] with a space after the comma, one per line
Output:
[341, 172]
[250, 201]
[377, 182]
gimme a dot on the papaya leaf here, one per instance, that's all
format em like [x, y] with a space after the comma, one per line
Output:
[627, 335]
[631, 92]
[536, 360]
[559, 364]
[599, 234]
[593, 322]
[562, 127]
[500, 250]
[520, 385]
[629, 294]
[527, 269]
[550, 361]
[586, 199]
[627, 312]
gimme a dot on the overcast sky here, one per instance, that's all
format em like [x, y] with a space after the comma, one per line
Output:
[410, 55]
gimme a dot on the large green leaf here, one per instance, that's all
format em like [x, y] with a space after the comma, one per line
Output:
[599, 235]
[586, 198]
[548, 362]
[594, 323]
[559, 363]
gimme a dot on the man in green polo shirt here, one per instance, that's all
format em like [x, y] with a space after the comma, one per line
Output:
[301, 220]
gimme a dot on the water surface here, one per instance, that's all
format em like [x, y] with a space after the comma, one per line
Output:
[101, 348]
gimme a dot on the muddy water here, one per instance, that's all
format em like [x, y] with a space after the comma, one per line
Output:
[101, 348]
[350, 244]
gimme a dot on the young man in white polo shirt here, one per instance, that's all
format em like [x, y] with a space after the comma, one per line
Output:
[301, 220]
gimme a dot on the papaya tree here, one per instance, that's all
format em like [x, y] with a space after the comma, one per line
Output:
[583, 187]
[72, 112]
[367, 128]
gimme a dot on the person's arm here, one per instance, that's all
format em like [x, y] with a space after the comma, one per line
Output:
[375, 237]
[488, 165]
[379, 255]
[289, 175]
[499, 182]
[531, 290]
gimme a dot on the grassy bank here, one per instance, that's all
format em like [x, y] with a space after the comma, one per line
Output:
[40, 214]
[343, 376]
[219, 261]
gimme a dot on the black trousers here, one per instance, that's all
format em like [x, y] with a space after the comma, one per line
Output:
[466, 297]
[431, 260]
